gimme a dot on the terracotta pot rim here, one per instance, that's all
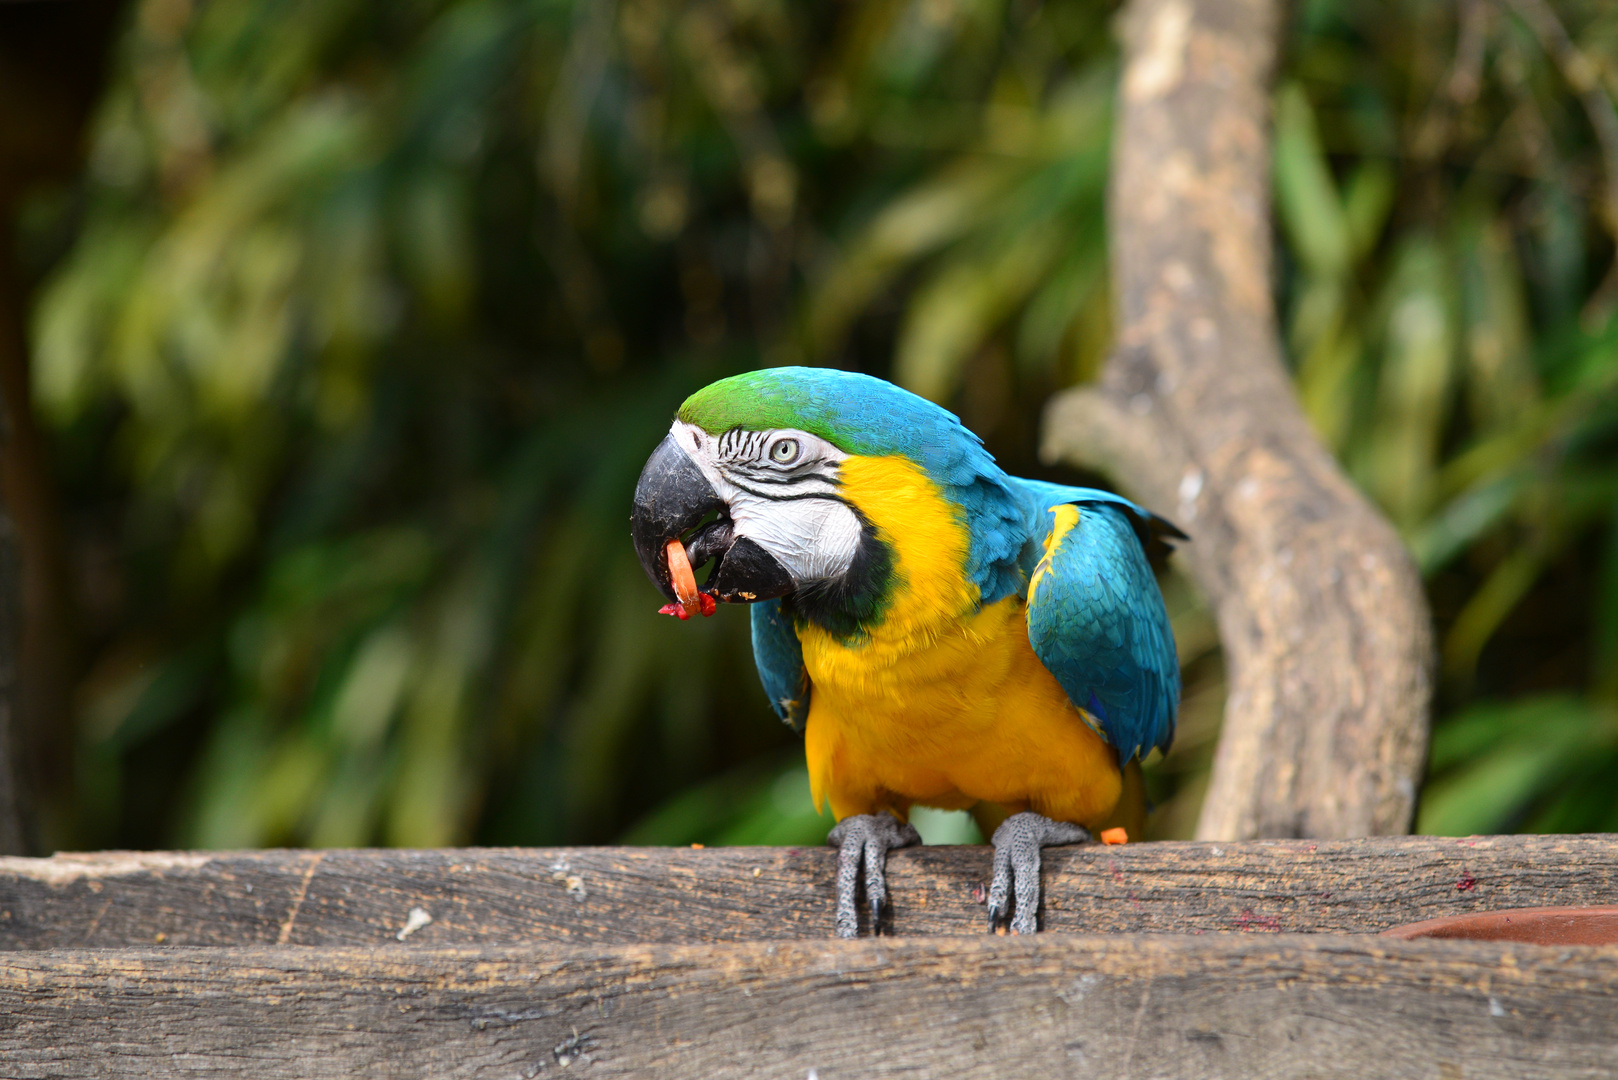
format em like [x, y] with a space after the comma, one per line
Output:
[1582, 924]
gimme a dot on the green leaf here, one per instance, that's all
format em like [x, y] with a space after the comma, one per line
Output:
[1306, 195]
[955, 311]
[1367, 201]
[1493, 763]
[1460, 523]
[1502, 591]
[1413, 388]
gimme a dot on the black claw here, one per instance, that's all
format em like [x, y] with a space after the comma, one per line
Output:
[863, 842]
[1017, 843]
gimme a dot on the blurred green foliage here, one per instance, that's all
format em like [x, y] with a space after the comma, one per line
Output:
[1447, 185]
[365, 315]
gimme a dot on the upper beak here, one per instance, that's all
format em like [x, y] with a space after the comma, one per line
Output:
[672, 498]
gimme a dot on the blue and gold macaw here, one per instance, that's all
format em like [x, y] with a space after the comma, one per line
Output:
[942, 633]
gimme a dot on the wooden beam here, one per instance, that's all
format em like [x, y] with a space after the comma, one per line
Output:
[992, 1007]
[624, 895]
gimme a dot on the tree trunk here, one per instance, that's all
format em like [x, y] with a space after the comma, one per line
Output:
[52, 63]
[14, 825]
[1325, 629]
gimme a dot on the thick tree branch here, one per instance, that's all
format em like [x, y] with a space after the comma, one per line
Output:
[52, 61]
[1320, 610]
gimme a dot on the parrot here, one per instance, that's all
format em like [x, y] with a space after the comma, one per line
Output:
[941, 633]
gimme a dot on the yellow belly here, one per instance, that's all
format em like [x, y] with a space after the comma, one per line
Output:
[965, 716]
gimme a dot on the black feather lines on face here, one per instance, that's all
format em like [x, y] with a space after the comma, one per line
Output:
[743, 460]
[845, 606]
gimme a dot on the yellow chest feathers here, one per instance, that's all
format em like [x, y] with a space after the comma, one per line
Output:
[928, 539]
[941, 703]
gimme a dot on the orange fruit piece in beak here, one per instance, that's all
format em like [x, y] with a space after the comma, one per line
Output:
[685, 582]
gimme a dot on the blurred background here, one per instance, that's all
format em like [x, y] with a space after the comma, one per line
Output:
[333, 334]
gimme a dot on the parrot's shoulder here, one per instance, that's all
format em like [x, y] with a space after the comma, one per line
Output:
[995, 512]
[1045, 496]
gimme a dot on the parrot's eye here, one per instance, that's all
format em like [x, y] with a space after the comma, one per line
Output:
[784, 451]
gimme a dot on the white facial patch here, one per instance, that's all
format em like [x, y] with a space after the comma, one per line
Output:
[781, 487]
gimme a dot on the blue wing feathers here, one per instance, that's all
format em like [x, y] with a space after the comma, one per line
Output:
[779, 657]
[1097, 620]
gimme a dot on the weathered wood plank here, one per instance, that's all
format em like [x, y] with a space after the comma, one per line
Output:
[1058, 1005]
[623, 895]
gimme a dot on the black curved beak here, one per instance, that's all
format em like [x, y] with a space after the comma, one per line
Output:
[671, 499]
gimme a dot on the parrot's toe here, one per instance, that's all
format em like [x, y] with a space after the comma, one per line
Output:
[1017, 843]
[866, 839]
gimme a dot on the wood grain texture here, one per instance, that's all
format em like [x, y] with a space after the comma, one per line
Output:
[677, 895]
[992, 1007]
[1325, 629]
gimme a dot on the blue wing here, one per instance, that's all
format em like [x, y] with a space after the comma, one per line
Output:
[1096, 618]
[779, 656]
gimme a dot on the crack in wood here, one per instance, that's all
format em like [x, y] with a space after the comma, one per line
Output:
[297, 903]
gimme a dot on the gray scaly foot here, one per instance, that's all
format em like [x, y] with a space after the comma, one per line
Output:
[1017, 843]
[866, 838]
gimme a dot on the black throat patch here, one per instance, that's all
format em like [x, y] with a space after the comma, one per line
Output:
[848, 606]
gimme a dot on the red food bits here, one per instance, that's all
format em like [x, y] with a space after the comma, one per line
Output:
[691, 602]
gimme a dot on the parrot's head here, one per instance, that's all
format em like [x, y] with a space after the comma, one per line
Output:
[752, 476]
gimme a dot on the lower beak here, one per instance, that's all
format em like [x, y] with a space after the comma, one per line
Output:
[671, 499]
